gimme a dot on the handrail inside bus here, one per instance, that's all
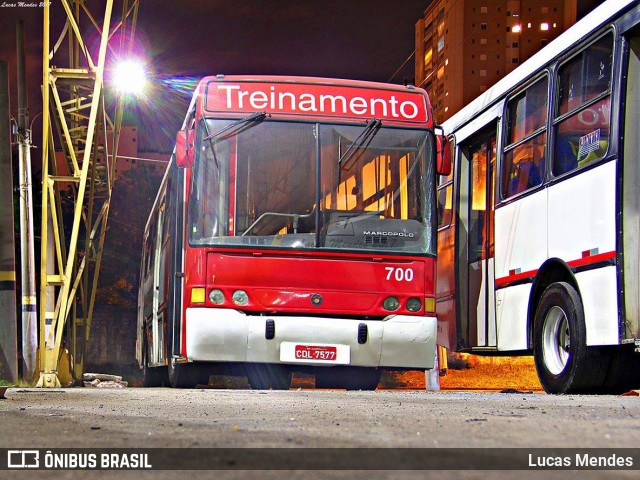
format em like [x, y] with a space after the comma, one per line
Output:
[296, 217]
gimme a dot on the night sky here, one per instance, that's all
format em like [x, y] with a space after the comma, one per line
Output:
[181, 41]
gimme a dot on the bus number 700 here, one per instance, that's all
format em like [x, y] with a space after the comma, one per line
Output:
[399, 274]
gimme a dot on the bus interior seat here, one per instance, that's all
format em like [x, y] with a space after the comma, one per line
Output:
[526, 175]
[566, 157]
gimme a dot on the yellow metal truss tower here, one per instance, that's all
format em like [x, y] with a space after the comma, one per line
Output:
[76, 118]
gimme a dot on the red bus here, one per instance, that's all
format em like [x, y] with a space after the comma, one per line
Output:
[294, 230]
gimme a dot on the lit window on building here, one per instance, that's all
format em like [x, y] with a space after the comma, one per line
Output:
[517, 28]
[428, 56]
[440, 73]
[529, 25]
[440, 43]
[483, 41]
[484, 9]
[544, 26]
[483, 57]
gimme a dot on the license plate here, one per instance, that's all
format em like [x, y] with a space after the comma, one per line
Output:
[315, 353]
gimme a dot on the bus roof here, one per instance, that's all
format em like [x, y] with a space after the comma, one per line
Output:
[595, 19]
[309, 80]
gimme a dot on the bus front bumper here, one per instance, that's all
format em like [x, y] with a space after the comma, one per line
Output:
[225, 335]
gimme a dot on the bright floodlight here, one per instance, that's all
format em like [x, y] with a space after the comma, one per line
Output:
[130, 77]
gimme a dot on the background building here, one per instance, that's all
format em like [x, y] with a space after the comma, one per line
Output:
[465, 46]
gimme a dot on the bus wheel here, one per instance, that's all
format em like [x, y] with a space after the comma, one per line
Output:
[623, 373]
[153, 376]
[182, 375]
[564, 362]
[268, 376]
[351, 378]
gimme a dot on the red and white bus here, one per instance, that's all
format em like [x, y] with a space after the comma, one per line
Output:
[539, 225]
[295, 229]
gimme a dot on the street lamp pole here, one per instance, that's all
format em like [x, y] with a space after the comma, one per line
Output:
[27, 256]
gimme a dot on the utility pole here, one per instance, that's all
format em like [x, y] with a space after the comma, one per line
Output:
[27, 257]
[8, 319]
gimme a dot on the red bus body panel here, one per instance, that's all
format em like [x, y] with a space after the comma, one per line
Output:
[286, 282]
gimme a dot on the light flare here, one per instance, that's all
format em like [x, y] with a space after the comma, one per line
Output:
[130, 77]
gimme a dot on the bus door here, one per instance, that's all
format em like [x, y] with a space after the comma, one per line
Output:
[480, 153]
[156, 330]
[630, 187]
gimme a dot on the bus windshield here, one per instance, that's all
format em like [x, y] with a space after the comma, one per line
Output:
[281, 184]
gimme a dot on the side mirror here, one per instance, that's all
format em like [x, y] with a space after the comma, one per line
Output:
[443, 155]
[184, 148]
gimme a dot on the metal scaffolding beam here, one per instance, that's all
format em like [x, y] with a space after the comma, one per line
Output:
[78, 122]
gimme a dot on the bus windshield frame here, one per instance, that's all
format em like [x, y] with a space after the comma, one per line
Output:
[258, 184]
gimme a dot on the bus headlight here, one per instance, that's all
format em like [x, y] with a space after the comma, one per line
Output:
[240, 297]
[216, 297]
[391, 303]
[414, 304]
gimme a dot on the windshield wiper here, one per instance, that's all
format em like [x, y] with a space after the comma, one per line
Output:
[254, 117]
[372, 126]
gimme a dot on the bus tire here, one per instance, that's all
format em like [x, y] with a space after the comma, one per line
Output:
[182, 375]
[152, 376]
[563, 361]
[268, 376]
[623, 373]
[349, 378]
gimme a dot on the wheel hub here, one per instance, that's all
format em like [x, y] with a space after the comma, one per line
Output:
[556, 340]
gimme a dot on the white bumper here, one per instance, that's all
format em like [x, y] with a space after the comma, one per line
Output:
[224, 335]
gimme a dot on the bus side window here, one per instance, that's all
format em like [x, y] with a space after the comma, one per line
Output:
[526, 137]
[146, 256]
[583, 107]
[149, 250]
[445, 201]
